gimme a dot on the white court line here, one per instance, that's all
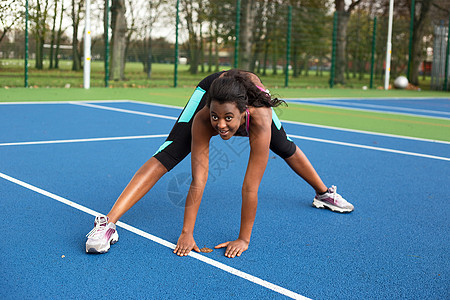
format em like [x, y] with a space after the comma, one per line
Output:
[370, 147]
[294, 136]
[124, 110]
[371, 110]
[367, 132]
[283, 121]
[160, 241]
[62, 102]
[85, 140]
[324, 126]
[398, 108]
[165, 135]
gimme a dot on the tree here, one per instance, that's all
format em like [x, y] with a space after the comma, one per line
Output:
[10, 14]
[248, 14]
[76, 17]
[53, 34]
[59, 36]
[151, 16]
[341, 40]
[421, 16]
[118, 39]
[39, 17]
[194, 18]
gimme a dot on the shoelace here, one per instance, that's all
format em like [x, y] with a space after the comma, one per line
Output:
[100, 226]
[336, 197]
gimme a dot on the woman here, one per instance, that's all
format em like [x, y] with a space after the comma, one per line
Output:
[229, 103]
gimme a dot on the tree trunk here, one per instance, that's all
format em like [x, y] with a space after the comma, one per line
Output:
[341, 41]
[118, 40]
[248, 13]
[266, 56]
[52, 43]
[39, 37]
[341, 45]
[58, 39]
[76, 60]
[149, 58]
[418, 33]
[216, 52]
[210, 48]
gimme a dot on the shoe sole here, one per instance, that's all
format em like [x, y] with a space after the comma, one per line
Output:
[319, 204]
[103, 250]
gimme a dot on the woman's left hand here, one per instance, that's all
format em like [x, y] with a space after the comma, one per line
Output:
[234, 248]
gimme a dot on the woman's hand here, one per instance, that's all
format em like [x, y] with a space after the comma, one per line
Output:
[185, 244]
[234, 248]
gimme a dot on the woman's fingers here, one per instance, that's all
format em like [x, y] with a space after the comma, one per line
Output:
[233, 252]
[222, 245]
[234, 248]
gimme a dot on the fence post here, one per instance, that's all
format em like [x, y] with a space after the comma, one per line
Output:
[26, 43]
[175, 72]
[238, 25]
[333, 51]
[106, 43]
[374, 39]
[411, 32]
[288, 46]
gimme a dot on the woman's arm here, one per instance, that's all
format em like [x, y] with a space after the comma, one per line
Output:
[260, 135]
[201, 134]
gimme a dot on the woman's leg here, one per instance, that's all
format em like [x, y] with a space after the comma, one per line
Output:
[144, 179]
[174, 150]
[301, 165]
[295, 158]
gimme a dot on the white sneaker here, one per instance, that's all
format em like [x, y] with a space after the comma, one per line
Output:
[102, 236]
[332, 200]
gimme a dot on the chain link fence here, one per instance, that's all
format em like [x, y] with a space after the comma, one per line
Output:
[286, 45]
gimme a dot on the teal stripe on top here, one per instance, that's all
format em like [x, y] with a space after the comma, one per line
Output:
[192, 105]
[163, 146]
[275, 120]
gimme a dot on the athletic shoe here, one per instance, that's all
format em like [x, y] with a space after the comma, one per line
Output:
[332, 200]
[101, 236]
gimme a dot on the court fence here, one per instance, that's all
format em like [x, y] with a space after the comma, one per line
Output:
[178, 44]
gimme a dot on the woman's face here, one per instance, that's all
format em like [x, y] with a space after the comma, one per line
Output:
[225, 118]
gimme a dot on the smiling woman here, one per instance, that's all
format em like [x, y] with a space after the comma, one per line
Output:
[231, 103]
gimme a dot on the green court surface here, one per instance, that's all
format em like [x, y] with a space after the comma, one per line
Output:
[398, 124]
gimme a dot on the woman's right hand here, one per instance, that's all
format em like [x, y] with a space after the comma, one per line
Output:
[185, 244]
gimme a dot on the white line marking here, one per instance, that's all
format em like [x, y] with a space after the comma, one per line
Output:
[155, 104]
[283, 121]
[165, 135]
[62, 102]
[396, 107]
[370, 147]
[86, 140]
[334, 128]
[367, 132]
[124, 110]
[160, 241]
[370, 110]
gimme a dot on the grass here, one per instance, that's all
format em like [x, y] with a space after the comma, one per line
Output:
[12, 75]
[429, 128]
[48, 85]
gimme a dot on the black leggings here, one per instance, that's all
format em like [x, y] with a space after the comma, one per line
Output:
[178, 144]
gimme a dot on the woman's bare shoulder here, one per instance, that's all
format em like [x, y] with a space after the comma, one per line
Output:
[203, 123]
[261, 115]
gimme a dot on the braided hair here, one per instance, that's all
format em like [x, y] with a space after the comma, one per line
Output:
[236, 87]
